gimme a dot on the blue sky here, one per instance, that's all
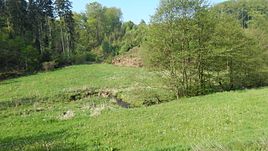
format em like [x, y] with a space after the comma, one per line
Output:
[134, 10]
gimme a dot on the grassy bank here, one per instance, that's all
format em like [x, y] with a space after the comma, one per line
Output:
[40, 119]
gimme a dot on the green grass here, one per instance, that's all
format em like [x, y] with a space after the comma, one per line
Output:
[123, 80]
[222, 121]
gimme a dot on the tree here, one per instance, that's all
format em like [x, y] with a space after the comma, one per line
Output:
[29, 33]
[235, 56]
[134, 36]
[253, 18]
[63, 9]
[40, 21]
[17, 13]
[2, 14]
[100, 29]
[95, 23]
[172, 41]
[199, 51]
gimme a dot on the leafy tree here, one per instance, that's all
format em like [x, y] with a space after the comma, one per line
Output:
[134, 36]
[172, 44]
[63, 9]
[29, 33]
[95, 23]
[253, 18]
[235, 54]
[99, 29]
[17, 55]
[200, 51]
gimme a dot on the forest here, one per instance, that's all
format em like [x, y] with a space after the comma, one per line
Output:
[199, 48]
[40, 33]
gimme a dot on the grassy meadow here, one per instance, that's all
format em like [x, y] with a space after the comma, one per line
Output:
[37, 113]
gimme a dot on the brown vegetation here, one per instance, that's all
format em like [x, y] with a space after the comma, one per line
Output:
[129, 59]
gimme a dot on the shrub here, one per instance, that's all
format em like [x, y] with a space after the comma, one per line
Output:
[109, 59]
[83, 58]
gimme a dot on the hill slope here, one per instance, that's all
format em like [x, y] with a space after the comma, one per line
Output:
[35, 116]
[127, 82]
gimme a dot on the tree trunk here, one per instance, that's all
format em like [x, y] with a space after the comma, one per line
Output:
[62, 40]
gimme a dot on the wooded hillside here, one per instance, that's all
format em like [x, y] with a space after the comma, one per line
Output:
[199, 48]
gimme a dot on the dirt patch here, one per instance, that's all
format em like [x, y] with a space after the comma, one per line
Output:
[67, 115]
[128, 62]
[112, 97]
[79, 94]
[129, 59]
[87, 93]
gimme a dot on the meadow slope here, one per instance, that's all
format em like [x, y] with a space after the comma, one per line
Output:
[32, 113]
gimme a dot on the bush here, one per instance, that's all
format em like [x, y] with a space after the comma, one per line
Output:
[258, 79]
[109, 59]
[83, 58]
[63, 60]
[10, 74]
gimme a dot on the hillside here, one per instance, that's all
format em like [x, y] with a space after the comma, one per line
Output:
[131, 84]
[69, 109]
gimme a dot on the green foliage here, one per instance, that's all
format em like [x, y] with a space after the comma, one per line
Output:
[252, 16]
[246, 11]
[134, 36]
[29, 31]
[83, 58]
[30, 58]
[54, 33]
[99, 27]
[106, 47]
[17, 54]
[200, 51]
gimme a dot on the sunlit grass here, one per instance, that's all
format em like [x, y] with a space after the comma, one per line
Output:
[222, 121]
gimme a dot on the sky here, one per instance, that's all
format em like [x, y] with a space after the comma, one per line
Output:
[134, 10]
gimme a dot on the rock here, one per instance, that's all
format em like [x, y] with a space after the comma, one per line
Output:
[67, 115]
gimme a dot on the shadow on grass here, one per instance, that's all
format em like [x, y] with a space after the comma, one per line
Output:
[45, 141]
[20, 102]
[7, 82]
